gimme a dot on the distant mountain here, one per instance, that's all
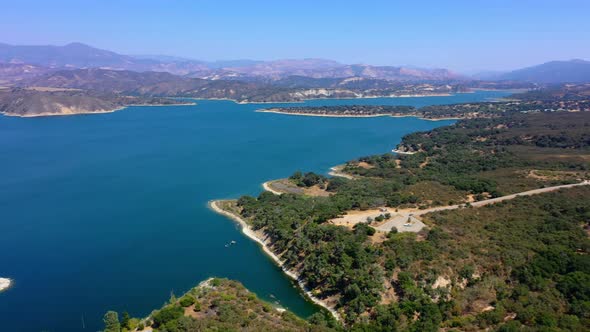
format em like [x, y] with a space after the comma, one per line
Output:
[573, 71]
[78, 55]
[320, 68]
[74, 55]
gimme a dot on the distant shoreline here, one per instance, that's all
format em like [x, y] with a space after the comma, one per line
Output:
[355, 116]
[338, 98]
[246, 230]
[45, 114]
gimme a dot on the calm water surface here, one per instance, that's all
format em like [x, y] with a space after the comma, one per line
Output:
[109, 211]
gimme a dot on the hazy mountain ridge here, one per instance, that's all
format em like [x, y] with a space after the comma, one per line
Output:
[78, 55]
[319, 68]
[572, 71]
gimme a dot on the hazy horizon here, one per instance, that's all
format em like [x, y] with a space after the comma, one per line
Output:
[461, 36]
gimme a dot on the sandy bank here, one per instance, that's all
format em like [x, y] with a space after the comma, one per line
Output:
[355, 116]
[323, 115]
[337, 171]
[5, 283]
[266, 186]
[264, 244]
[36, 115]
[403, 152]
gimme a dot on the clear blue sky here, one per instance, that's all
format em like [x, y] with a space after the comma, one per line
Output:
[461, 35]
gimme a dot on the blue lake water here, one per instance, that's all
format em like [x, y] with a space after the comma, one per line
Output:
[109, 211]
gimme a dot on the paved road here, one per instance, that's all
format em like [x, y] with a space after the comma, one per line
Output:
[416, 225]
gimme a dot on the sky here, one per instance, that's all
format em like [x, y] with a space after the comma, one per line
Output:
[466, 36]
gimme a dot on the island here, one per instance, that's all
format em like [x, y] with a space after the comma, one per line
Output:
[215, 305]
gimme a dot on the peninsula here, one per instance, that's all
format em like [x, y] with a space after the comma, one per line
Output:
[438, 112]
[215, 305]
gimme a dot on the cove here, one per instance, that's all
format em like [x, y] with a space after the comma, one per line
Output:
[109, 211]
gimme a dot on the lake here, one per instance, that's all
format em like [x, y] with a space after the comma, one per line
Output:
[109, 211]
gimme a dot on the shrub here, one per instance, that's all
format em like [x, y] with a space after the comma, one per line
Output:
[167, 314]
[186, 301]
[197, 307]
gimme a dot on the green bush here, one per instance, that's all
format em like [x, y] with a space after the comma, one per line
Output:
[167, 314]
[186, 301]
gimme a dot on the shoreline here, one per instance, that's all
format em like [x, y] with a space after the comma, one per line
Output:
[403, 152]
[45, 114]
[246, 230]
[323, 115]
[5, 284]
[266, 186]
[357, 116]
[39, 115]
[339, 98]
[337, 171]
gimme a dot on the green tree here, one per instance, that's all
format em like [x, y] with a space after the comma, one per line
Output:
[125, 320]
[111, 322]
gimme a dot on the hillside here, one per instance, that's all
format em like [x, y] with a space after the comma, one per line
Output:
[29, 102]
[559, 92]
[73, 55]
[78, 55]
[13, 72]
[317, 68]
[294, 88]
[572, 71]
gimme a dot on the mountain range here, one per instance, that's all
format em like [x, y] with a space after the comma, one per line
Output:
[78, 55]
[18, 61]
